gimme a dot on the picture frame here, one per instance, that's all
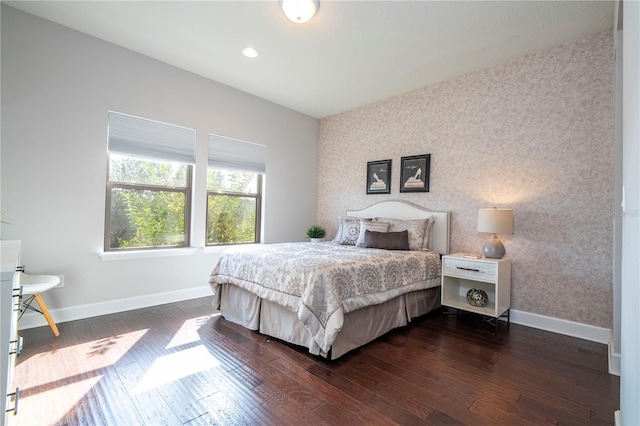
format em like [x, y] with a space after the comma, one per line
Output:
[379, 177]
[414, 173]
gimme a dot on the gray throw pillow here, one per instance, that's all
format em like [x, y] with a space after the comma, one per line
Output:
[416, 227]
[387, 240]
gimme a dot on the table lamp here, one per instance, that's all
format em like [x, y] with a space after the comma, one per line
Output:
[495, 221]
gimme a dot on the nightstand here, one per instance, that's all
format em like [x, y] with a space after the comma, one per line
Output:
[460, 274]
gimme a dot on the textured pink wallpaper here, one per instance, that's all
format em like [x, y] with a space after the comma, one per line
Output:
[534, 134]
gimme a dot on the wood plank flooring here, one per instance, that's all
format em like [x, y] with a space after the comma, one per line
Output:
[182, 363]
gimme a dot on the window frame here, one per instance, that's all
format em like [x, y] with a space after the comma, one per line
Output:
[257, 196]
[187, 190]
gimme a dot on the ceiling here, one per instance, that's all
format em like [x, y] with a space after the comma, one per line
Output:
[350, 54]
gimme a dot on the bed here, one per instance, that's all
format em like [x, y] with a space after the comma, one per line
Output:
[335, 296]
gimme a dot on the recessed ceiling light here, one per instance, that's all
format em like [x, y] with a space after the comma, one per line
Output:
[249, 52]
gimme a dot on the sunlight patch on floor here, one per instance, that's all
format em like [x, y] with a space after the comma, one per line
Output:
[78, 359]
[56, 404]
[175, 366]
[188, 332]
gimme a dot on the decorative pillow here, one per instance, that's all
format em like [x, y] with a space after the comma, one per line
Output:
[341, 221]
[370, 226]
[415, 227]
[350, 231]
[427, 233]
[387, 240]
[339, 233]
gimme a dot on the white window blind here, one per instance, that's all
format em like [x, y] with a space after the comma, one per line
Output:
[152, 139]
[235, 154]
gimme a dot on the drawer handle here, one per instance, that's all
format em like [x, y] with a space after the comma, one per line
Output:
[18, 346]
[467, 269]
[15, 405]
[18, 304]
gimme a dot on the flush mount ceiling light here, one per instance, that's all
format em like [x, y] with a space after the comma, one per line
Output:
[249, 52]
[300, 11]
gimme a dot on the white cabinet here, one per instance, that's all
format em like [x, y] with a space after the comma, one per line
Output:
[493, 276]
[9, 340]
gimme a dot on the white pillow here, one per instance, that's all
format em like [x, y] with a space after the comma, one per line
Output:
[415, 227]
[370, 226]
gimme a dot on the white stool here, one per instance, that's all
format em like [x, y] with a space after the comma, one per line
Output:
[34, 285]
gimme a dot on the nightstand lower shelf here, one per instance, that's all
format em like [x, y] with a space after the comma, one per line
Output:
[460, 302]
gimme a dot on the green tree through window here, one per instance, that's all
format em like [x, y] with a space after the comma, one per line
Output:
[233, 207]
[148, 203]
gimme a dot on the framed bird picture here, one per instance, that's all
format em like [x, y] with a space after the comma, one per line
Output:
[379, 177]
[414, 173]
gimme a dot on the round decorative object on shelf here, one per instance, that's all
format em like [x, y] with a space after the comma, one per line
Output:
[477, 297]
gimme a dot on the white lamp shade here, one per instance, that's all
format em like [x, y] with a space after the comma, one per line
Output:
[299, 11]
[495, 221]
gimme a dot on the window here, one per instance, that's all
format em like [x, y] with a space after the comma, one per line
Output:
[233, 207]
[234, 191]
[148, 203]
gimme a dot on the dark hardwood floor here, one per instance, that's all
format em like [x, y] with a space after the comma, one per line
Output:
[181, 363]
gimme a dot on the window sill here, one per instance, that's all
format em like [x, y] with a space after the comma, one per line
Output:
[220, 249]
[144, 254]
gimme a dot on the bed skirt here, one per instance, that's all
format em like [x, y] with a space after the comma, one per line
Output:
[360, 327]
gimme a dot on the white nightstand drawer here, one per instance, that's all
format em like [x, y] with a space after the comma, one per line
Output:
[485, 271]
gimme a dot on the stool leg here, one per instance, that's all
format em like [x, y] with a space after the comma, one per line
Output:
[46, 314]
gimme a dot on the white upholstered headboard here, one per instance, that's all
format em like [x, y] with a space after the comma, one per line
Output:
[403, 210]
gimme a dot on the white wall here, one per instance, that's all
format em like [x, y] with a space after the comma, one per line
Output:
[630, 314]
[616, 208]
[57, 86]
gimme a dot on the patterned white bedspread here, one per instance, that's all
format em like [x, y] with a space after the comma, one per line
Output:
[323, 281]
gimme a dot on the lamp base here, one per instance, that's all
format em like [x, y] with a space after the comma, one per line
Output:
[493, 249]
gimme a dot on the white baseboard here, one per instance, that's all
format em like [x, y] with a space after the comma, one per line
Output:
[569, 328]
[560, 326]
[34, 319]
[614, 362]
